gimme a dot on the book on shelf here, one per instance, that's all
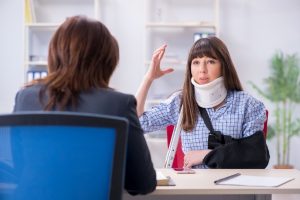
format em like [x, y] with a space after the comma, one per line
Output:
[162, 180]
[29, 12]
[200, 35]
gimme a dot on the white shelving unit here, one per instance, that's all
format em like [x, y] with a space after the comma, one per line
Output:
[176, 23]
[46, 17]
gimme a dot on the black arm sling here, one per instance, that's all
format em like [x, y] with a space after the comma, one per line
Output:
[245, 153]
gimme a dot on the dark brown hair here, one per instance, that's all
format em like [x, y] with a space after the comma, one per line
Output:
[82, 55]
[214, 48]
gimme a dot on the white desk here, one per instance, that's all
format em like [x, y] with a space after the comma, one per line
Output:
[201, 184]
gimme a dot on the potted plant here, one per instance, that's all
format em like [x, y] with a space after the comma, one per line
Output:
[282, 89]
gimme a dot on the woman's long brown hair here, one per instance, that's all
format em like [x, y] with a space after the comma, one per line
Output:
[214, 48]
[82, 55]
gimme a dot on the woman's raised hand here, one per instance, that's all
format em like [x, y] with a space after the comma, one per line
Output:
[155, 71]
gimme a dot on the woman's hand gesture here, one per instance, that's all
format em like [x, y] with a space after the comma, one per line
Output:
[155, 71]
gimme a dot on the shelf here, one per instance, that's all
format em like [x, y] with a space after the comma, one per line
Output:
[172, 62]
[176, 65]
[66, 1]
[37, 63]
[181, 25]
[46, 17]
[42, 26]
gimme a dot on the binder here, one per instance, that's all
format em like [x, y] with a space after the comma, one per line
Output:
[29, 76]
[34, 74]
[28, 16]
[162, 180]
[29, 12]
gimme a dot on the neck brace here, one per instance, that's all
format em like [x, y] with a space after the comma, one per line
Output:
[211, 94]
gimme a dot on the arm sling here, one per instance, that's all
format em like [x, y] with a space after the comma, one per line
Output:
[245, 153]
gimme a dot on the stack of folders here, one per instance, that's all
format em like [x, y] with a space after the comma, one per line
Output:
[36, 74]
[163, 180]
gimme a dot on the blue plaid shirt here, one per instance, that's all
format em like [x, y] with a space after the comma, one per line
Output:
[241, 115]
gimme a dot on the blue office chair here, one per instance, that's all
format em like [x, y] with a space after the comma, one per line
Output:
[62, 155]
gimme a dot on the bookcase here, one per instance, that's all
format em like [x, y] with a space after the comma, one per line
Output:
[42, 18]
[178, 24]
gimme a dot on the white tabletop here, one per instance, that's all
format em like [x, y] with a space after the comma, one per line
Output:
[203, 182]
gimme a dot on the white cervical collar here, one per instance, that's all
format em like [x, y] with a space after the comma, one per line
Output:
[211, 94]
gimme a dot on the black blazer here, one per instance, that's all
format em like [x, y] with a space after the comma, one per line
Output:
[140, 177]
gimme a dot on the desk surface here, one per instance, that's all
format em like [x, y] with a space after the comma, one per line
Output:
[203, 182]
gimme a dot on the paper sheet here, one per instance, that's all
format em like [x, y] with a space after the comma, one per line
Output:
[260, 181]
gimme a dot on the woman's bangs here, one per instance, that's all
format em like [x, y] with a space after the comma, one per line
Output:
[203, 49]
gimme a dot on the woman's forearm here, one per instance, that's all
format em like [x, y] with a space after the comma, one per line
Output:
[153, 73]
[141, 95]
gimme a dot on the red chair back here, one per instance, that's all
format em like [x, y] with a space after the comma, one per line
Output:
[179, 155]
[265, 130]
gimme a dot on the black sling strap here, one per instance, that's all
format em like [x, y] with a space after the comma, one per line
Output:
[206, 119]
[215, 138]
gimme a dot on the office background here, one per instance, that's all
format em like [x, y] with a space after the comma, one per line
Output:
[252, 29]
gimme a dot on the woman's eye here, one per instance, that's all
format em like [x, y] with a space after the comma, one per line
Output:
[211, 62]
[196, 62]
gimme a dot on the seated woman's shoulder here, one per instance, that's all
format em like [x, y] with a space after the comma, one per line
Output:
[29, 89]
[245, 97]
[119, 94]
[111, 92]
[174, 97]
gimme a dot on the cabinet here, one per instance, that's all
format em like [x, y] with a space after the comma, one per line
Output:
[42, 18]
[178, 24]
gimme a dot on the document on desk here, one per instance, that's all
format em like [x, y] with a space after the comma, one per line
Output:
[163, 180]
[256, 181]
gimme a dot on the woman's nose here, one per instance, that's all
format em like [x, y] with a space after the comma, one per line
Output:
[202, 67]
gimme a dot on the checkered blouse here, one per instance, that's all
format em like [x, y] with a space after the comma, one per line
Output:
[241, 115]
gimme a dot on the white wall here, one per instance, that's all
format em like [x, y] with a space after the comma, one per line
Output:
[11, 52]
[126, 21]
[252, 29]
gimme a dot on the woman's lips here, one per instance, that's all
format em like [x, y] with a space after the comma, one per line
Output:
[202, 81]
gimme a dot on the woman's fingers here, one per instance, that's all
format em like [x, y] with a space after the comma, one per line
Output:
[162, 52]
[161, 48]
[192, 158]
[167, 71]
[187, 163]
[159, 53]
[155, 69]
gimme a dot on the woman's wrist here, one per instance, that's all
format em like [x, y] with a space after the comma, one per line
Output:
[148, 79]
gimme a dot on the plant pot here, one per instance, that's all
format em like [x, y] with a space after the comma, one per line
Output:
[283, 167]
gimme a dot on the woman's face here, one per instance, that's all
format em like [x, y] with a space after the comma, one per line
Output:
[205, 69]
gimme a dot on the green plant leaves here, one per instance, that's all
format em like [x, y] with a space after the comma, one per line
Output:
[282, 88]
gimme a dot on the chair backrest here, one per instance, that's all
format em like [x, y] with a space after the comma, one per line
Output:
[265, 130]
[179, 155]
[62, 155]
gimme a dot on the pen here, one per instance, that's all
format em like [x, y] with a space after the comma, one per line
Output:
[227, 178]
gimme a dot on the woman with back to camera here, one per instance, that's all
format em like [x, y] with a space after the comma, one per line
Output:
[82, 57]
[211, 94]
